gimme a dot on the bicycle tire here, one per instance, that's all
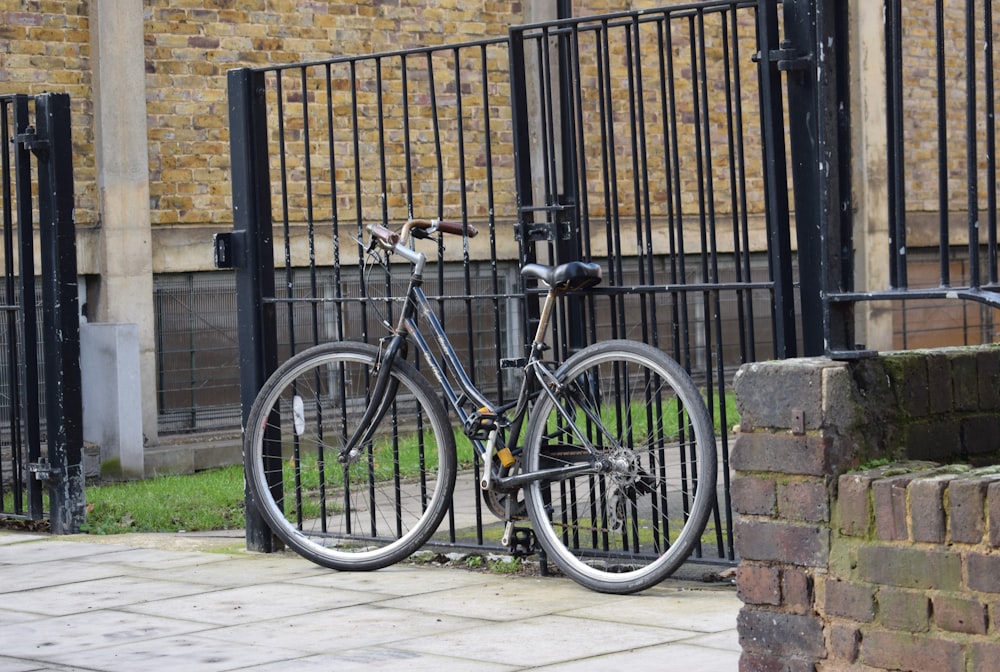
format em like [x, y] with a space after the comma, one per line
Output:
[384, 505]
[631, 527]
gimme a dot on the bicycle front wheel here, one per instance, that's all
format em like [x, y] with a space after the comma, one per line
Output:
[373, 509]
[632, 525]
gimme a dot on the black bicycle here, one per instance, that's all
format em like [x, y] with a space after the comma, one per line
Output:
[351, 453]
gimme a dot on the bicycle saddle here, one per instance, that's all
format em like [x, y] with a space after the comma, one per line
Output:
[565, 277]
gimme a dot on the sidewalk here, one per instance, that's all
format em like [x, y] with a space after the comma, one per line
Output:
[201, 603]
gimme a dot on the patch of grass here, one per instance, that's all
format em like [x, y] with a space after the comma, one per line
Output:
[875, 464]
[505, 565]
[209, 500]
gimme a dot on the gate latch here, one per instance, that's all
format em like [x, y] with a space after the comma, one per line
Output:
[31, 140]
[558, 223]
[226, 249]
[42, 470]
[787, 57]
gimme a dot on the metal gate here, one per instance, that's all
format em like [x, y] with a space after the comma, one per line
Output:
[41, 433]
[940, 144]
[649, 141]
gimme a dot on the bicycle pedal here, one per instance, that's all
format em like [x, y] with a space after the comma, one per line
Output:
[480, 423]
[523, 542]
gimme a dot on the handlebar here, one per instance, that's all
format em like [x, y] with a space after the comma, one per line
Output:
[442, 225]
[391, 238]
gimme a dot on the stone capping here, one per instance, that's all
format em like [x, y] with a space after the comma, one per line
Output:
[884, 568]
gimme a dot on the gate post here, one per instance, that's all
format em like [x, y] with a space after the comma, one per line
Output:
[814, 56]
[24, 389]
[61, 316]
[779, 247]
[252, 255]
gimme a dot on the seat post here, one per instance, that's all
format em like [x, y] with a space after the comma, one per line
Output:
[543, 318]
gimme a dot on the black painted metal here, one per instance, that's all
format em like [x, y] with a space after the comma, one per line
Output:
[969, 43]
[625, 139]
[816, 39]
[60, 314]
[36, 131]
[773, 61]
[253, 257]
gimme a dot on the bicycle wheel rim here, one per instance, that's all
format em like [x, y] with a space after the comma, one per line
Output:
[382, 505]
[627, 530]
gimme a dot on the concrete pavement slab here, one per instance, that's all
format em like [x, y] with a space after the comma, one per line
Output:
[178, 602]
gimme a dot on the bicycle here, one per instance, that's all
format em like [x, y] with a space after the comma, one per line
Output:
[616, 468]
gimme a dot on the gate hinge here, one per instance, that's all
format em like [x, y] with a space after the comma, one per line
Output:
[31, 140]
[787, 57]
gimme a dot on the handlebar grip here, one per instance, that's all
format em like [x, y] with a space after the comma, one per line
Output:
[456, 228]
[387, 236]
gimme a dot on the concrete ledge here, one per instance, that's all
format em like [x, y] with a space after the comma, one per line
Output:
[189, 456]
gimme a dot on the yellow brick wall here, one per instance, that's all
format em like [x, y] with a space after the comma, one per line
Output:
[45, 46]
[920, 102]
[190, 44]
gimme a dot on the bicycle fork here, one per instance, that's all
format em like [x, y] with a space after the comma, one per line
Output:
[382, 396]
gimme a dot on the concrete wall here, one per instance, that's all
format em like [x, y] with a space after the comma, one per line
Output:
[879, 569]
[112, 397]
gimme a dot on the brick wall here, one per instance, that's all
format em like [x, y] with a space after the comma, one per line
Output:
[44, 46]
[915, 580]
[191, 46]
[888, 568]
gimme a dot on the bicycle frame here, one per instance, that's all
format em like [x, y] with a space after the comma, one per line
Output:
[537, 379]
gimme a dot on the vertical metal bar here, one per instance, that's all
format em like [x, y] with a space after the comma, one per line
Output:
[61, 317]
[610, 166]
[640, 176]
[991, 144]
[10, 319]
[803, 124]
[522, 163]
[11, 127]
[28, 309]
[568, 215]
[289, 274]
[310, 220]
[741, 227]
[896, 169]
[581, 201]
[254, 258]
[334, 208]
[971, 148]
[942, 157]
[833, 158]
[357, 174]
[678, 261]
[776, 184]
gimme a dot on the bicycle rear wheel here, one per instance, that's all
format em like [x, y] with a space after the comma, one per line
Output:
[630, 527]
[382, 505]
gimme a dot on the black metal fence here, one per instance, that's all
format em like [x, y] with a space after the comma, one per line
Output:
[941, 200]
[634, 139]
[41, 416]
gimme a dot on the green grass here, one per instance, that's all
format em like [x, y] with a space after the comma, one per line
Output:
[639, 415]
[213, 500]
[208, 500]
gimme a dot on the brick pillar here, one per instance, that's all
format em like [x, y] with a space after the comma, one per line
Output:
[790, 447]
[893, 567]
